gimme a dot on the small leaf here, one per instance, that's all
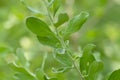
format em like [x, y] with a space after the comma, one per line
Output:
[56, 5]
[60, 70]
[95, 68]
[50, 3]
[31, 8]
[40, 74]
[62, 18]
[87, 59]
[115, 75]
[63, 58]
[21, 57]
[76, 23]
[38, 27]
[21, 72]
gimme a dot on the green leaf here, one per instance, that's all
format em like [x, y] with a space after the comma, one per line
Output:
[94, 69]
[22, 76]
[56, 5]
[76, 23]
[40, 74]
[43, 32]
[115, 75]
[31, 8]
[87, 59]
[53, 79]
[49, 40]
[4, 49]
[62, 18]
[63, 58]
[21, 57]
[50, 3]
[60, 70]
[38, 27]
[21, 73]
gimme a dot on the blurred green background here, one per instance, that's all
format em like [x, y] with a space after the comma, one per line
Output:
[102, 29]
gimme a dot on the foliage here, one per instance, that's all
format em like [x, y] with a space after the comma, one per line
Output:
[53, 50]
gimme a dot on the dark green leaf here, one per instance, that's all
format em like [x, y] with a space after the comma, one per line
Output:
[95, 68]
[62, 18]
[76, 23]
[38, 27]
[115, 75]
[49, 40]
[87, 59]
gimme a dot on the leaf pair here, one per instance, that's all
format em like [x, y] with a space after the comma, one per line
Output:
[88, 65]
[43, 32]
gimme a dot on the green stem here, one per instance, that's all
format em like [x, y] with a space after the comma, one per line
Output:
[63, 43]
[43, 62]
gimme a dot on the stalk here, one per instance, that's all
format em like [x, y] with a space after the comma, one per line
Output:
[64, 46]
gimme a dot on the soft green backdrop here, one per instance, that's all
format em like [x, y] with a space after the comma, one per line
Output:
[101, 29]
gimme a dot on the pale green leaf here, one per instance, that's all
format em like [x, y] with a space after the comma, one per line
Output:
[40, 74]
[94, 69]
[22, 73]
[21, 57]
[63, 58]
[76, 23]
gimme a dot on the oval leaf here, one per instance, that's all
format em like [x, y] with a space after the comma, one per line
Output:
[95, 68]
[115, 75]
[38, 27]
[76, 23]
[87, 59]
[49, 40]
[62, 18]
